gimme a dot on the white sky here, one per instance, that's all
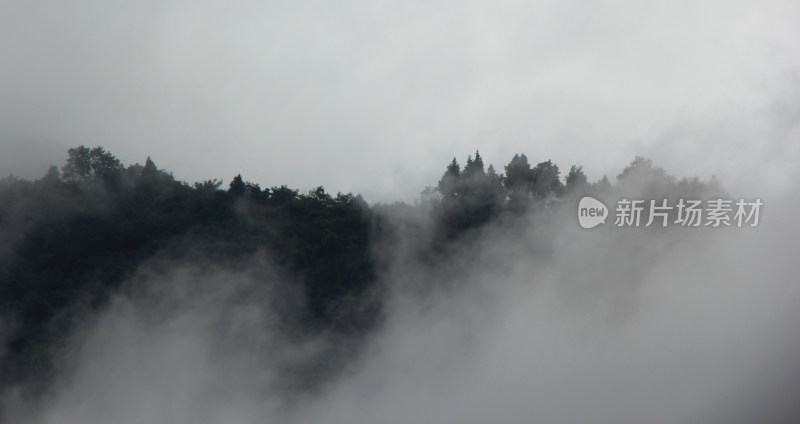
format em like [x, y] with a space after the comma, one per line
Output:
[377, 97]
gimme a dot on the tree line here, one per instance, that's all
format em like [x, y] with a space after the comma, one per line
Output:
[74, 236]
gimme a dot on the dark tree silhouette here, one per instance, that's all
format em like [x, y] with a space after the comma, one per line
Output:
[449, 184]
[576, 181]
[237, 186]
[519, 182]
[546, 180]
[71, 240]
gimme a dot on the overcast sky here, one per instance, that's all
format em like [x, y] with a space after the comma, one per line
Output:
[377, 97]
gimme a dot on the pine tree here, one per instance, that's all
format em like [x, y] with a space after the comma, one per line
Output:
[449, 183]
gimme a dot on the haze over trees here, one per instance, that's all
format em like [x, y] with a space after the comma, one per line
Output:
[76, 236]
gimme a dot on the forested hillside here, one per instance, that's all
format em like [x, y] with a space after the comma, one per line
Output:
[78, 234]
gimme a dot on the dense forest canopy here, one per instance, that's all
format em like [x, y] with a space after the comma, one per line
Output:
[80, 233]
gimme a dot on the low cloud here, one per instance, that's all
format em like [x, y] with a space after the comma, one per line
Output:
[537, 320]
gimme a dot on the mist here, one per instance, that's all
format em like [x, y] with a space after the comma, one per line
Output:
[229, 284]
[533, 320]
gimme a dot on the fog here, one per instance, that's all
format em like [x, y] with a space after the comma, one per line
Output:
[530, 319]
[537, 320]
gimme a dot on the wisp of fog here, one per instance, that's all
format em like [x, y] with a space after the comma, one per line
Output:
[536, 320]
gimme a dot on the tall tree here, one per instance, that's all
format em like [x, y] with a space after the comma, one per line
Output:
[104, 163]
[576, 180]
[518, 182]
[237, 186]
[79, 164]
[150, 166]
[449, 183]
[83, 164]
[546, 180]
[474, 167]
[641, 177]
